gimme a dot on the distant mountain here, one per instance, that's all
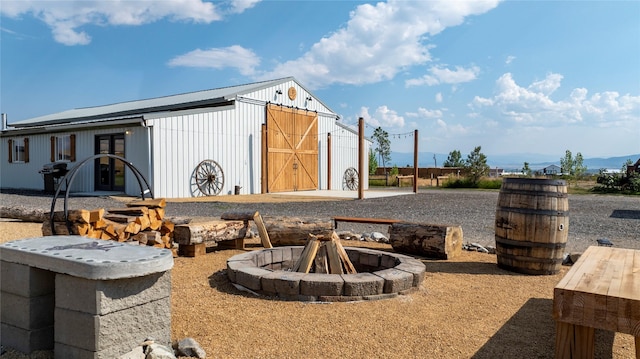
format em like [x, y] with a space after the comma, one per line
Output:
[508, 162]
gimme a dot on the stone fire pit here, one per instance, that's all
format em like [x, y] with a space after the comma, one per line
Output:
[380, 275]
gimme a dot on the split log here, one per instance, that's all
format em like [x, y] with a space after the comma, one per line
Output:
[38, 215]
[257, 219]
[149, 203]
[210, 231]
[294, 231]
[428, 240]
[130, 211]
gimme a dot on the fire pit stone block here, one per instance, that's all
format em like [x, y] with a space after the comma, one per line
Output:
[395, 280]
[317, 283]
[282, 283]
[249, 277]
[362, 284]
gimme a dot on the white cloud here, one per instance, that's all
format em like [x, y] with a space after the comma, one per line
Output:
[235, 56]
[383, 117]
[441, 75]
[239, 6]
[509, 59]
[65, 18]
[425, 113]
[532, 105]
[439, 97]
[378, 42]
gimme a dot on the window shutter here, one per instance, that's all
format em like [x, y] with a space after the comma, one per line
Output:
[53, 148]
[10, 151]
[73, 147]
[26, 149]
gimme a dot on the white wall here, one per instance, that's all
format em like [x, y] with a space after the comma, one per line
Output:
[26, 176]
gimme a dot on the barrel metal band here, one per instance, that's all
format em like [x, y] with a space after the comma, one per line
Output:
[511, 242]
[525, 192]
[536, 181]
[531, 259]
[535, 211]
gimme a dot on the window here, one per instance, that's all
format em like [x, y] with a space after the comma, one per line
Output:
[19, 150]
[63, 148]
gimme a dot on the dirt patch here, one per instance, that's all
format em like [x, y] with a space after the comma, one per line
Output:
[465, 308]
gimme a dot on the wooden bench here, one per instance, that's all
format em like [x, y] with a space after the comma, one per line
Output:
[401, 178]
[600, 291]
[364, 220]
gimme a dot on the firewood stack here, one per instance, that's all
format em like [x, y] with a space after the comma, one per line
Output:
[140, 221]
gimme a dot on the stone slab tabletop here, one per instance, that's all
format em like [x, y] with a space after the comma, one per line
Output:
[87, 258]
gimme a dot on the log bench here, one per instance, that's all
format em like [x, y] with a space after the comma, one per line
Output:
[600, 291]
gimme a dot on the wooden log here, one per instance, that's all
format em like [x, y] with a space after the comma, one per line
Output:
[238, 216]
[303, 264]
[262, 230]
[143, 221]
[121, 218]
[149, 203]
[428, 240]
[288, 231]
[192, 250]
[155, 222]
[209, 231]
[349, 268]
[38, 215]
[130, 211]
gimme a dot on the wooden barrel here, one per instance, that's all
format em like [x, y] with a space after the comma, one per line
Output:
[532, 223]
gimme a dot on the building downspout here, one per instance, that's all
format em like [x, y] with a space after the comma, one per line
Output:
[4, 122]
[149, 154]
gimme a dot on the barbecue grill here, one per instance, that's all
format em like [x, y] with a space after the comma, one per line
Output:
[52, 172]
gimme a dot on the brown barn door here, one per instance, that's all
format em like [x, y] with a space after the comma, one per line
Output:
[292, 149]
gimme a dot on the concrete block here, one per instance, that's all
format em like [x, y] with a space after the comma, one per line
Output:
[282, 283]
[87, 258]
[24, 340]
[122, 329]
[26, 281]
[287, 254]
[28, 313]
[247, 256]
[389, 261]
[380, 296]
[106, 296]
[395, 280]
[416, 268]
[249, 277]
[317, 284]
[361, 284]
[233, 267]
[68, 351]
[277, 255]
[263, 258]
[296, 252]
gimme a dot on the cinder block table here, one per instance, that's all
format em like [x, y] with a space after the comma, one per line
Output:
[600, 291]
[83, 298]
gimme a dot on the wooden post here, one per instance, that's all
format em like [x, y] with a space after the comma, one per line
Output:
[415, 161]
[263, 172]
[329, 161]
[360, 158]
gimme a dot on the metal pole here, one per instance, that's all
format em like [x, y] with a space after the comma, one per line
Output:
[415, 161]
[361, 158]
[329, 161]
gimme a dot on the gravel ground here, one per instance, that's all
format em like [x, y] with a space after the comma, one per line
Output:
[591, 216]
[466, 307]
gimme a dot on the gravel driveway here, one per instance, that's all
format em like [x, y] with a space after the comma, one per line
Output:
[591, 216]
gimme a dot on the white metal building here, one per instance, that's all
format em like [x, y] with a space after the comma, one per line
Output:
[263, 137]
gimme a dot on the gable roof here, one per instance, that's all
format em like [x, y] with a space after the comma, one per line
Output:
[206, 98]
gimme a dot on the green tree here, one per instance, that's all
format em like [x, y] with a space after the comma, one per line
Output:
[579, 169]
[476, 165]
[454, 159]
[373, 162]
[566, 163]
[526, 169]
[383, 146]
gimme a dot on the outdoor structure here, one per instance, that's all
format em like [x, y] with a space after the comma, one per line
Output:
[83, 298]
[263, 137]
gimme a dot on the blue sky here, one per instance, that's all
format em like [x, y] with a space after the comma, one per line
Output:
[515, 77]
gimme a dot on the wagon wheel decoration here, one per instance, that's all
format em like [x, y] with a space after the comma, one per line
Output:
[209, 177]
[350, 179]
